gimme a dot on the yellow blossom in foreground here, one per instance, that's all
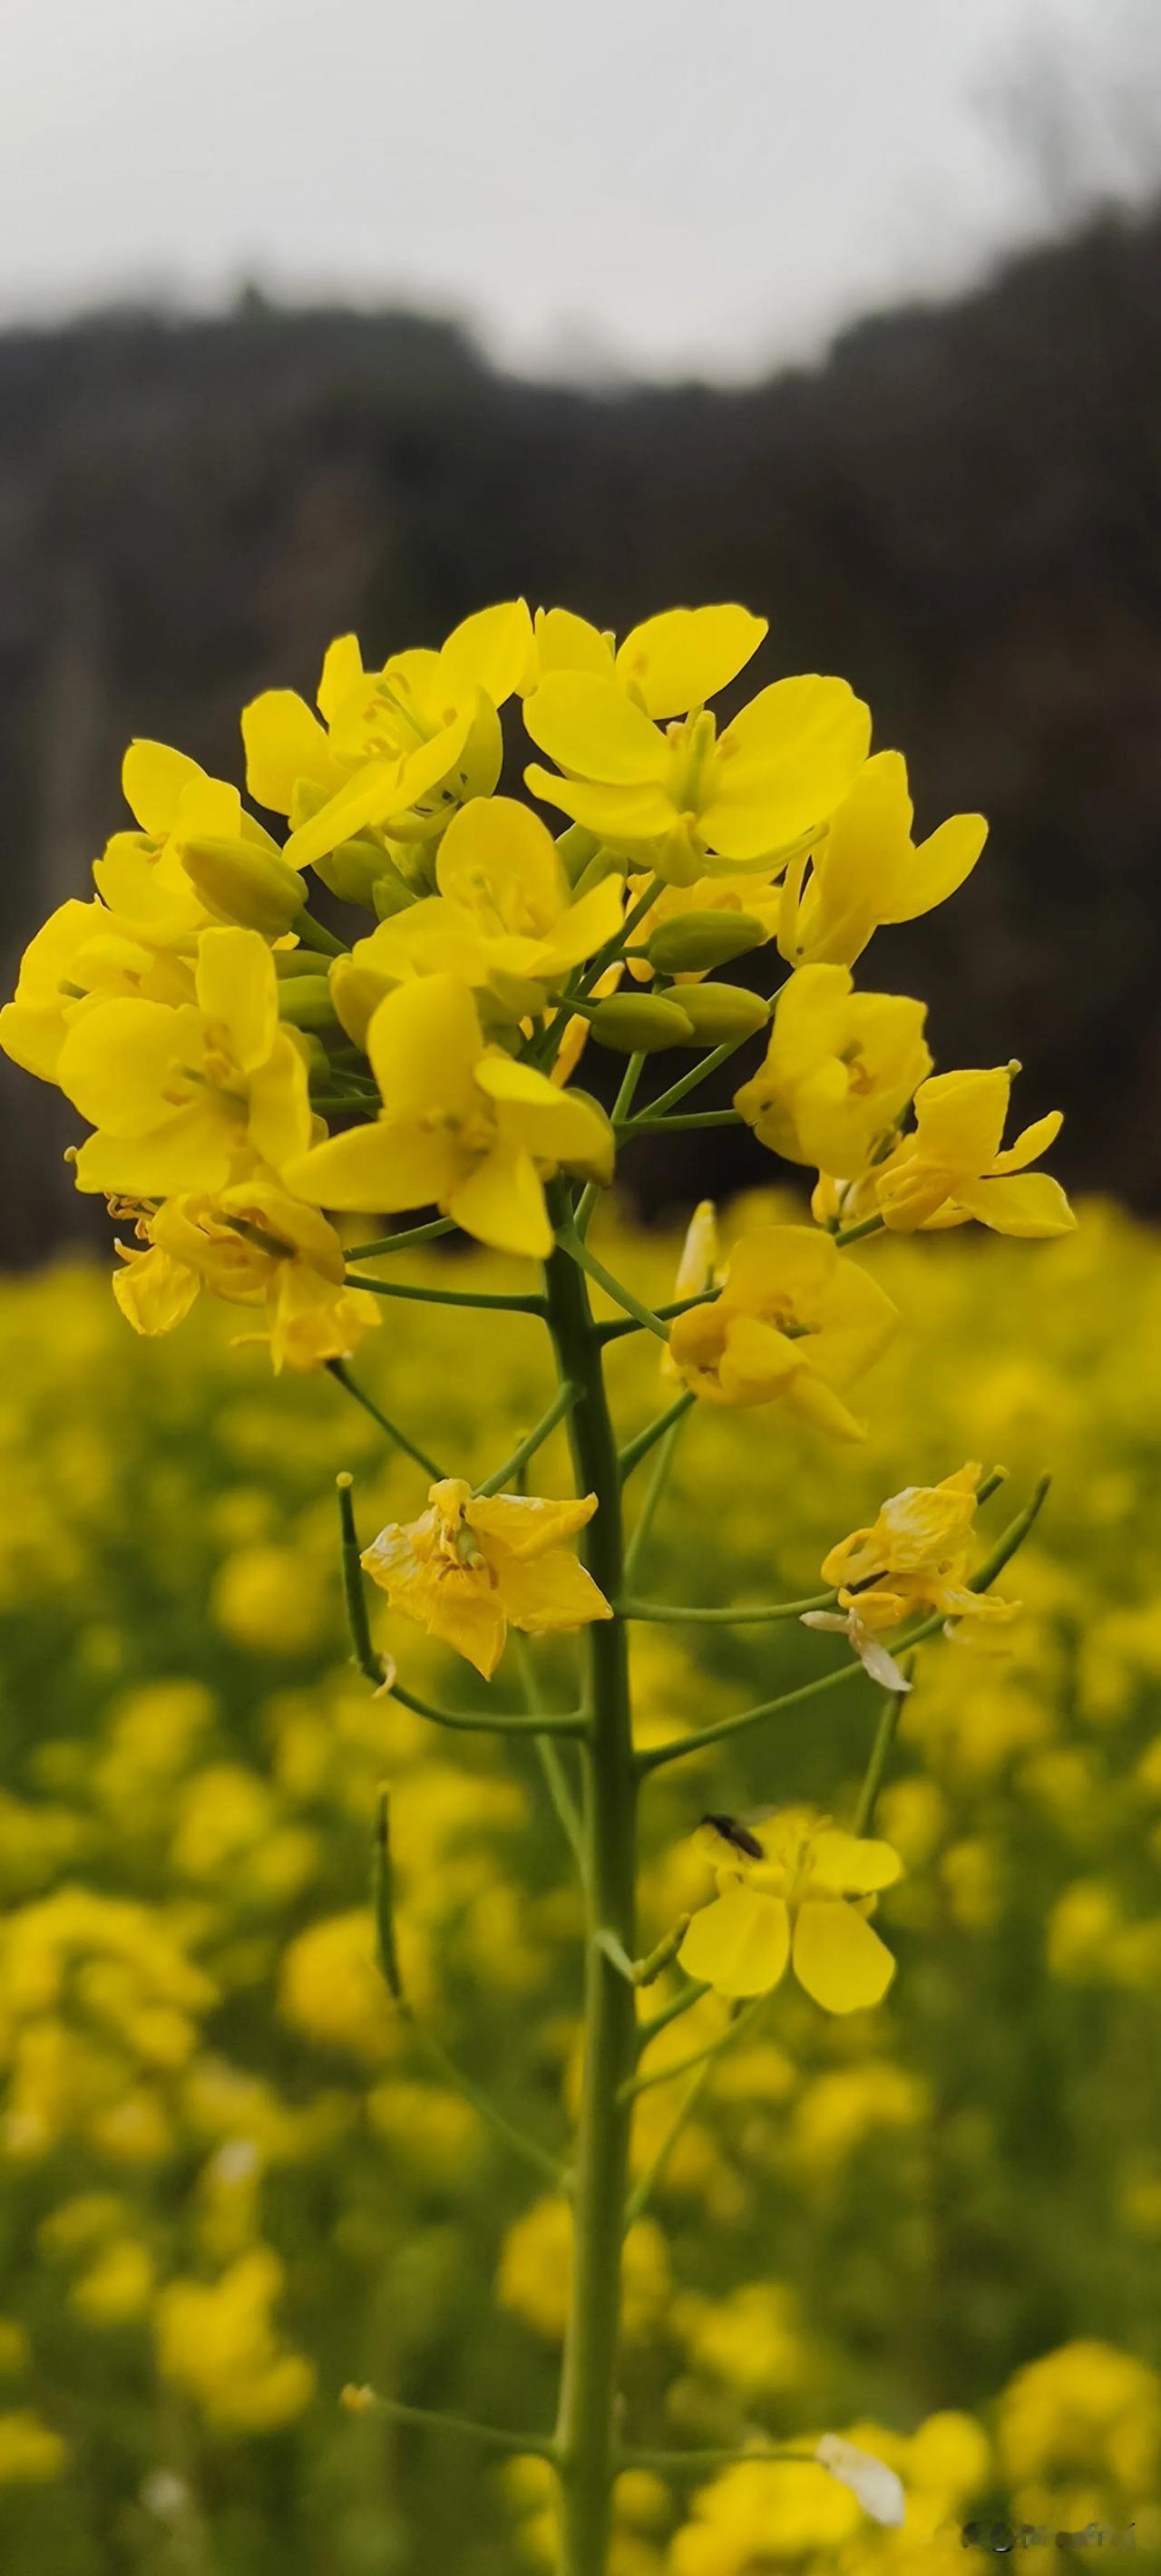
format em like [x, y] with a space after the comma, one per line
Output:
[795, 1320]
[463, 1126]
[474, 1566]
[795, 1905]
[867, 872]
[915, 1557]
[502, 917]
[82, 953]
[186, 1097]
[840, 1067]
[404, 745]
[667, 665]
[952, 1167]
[697, 1270]
[697, 803]
[252, 1246]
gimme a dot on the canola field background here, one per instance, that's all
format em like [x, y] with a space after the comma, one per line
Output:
[228, 2181]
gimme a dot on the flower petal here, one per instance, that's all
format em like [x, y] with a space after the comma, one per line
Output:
[594, 730]
[502, 1204]
[838, 1958]
[555, 1593]
[853, 1864]
[686, 655]
[740, 1944]
[1031, 1204]
[237, 987]
[527, 1524]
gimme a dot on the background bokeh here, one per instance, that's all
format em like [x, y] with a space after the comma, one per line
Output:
[305, 327]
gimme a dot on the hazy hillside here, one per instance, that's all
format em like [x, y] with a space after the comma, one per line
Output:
[961, 511]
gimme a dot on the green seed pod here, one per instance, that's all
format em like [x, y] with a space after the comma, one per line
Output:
[641, 1023]
[289, 962]
[305, 1001]
[693, 941]
[576, 847]
[244, 883]
[720, 1013]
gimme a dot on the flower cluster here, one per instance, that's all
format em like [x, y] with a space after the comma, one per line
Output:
[250, 1078]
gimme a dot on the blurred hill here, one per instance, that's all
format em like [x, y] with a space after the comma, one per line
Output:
[960, 510]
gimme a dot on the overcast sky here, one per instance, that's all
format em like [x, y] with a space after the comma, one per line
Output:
[673, 183]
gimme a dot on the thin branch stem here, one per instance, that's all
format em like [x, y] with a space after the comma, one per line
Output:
[637, 1449]
[427, 2419]
[761, 1615]
[697, 2056]
[654, 1496]
[615, 1332]
[587, 1201]
[370, 1663]
[695, 2464]
[476, 1721]
[880, 1755]
[689, 1081]
[342, 1376]
[478, 1297]
[855, 1233]
[614, 1288]
[402, 1242]
[646, 1125]
[556, 1778]
[643, 2188]
[648, 2031]
[532, 1441]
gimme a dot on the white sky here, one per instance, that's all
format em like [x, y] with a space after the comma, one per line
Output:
[671, 183]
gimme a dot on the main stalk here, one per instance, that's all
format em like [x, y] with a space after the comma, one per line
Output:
[586, 2422]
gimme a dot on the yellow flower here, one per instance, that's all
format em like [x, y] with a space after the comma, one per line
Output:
[217, 2341]
[866, 871]
[81, 953]
[473, 1566]
[697, 1270]
[404, 745]
[952, 1168]
[502, 918]
[667, 665]
[840, 1067]
[185, 1097]
[795, 1321]
[142, 875]
[463, 1125]
[794, 1905]
[252, 1246]
[696, 803]
[725, 896]
[915, 1557]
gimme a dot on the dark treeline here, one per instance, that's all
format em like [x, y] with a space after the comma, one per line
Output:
[961, 511]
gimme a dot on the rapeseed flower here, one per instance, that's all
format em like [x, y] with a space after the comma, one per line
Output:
[915, 1556]
[188, 1096]
[795, 1322]
[866, 871]
[697, 803]
[840, 1069]
[951, 1167]
[502, 918]
[800, 1904]
[473, 1566]
[462, 1126]
[251, 1245]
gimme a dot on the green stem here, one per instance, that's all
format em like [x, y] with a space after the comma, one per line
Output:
[855, 1233]
[527, 1448]
[654, 1497]
[635, 1450]
[646, 2182]
[486, 1721]
[698, 2056]
[447, 1296]
[313, 935]
[666, 1613]
[621, 1107]
[342, 1376]
[615, 1332]
[556, 1779]
[426, 2419]
[614, 1288]
[689, 1081]
[647, 1126]
[588, 2380]
[885, 1733]
[354, 1593]
[696, 2464]
[401, 1242]
[648, 2031]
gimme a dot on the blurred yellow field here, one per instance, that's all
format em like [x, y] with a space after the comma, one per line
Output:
[232, 2181]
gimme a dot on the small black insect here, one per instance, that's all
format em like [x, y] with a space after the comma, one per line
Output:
[734, 1832]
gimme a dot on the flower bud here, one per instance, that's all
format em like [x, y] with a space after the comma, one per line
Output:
[353, 870]
[693, 941]
[245, 883]
[576, 848]
[640, 1023]
[306, 1002]
[719, 1013]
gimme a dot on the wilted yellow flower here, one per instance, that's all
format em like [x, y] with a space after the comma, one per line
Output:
[795, 1321]
[187, 1097]
[473, 1566]
[463, 1126]
[794, 1905]
[951, 1168]
[251, 1245]
[915, 1556]
[866, 870]
[840, 1068]
[698, 804]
